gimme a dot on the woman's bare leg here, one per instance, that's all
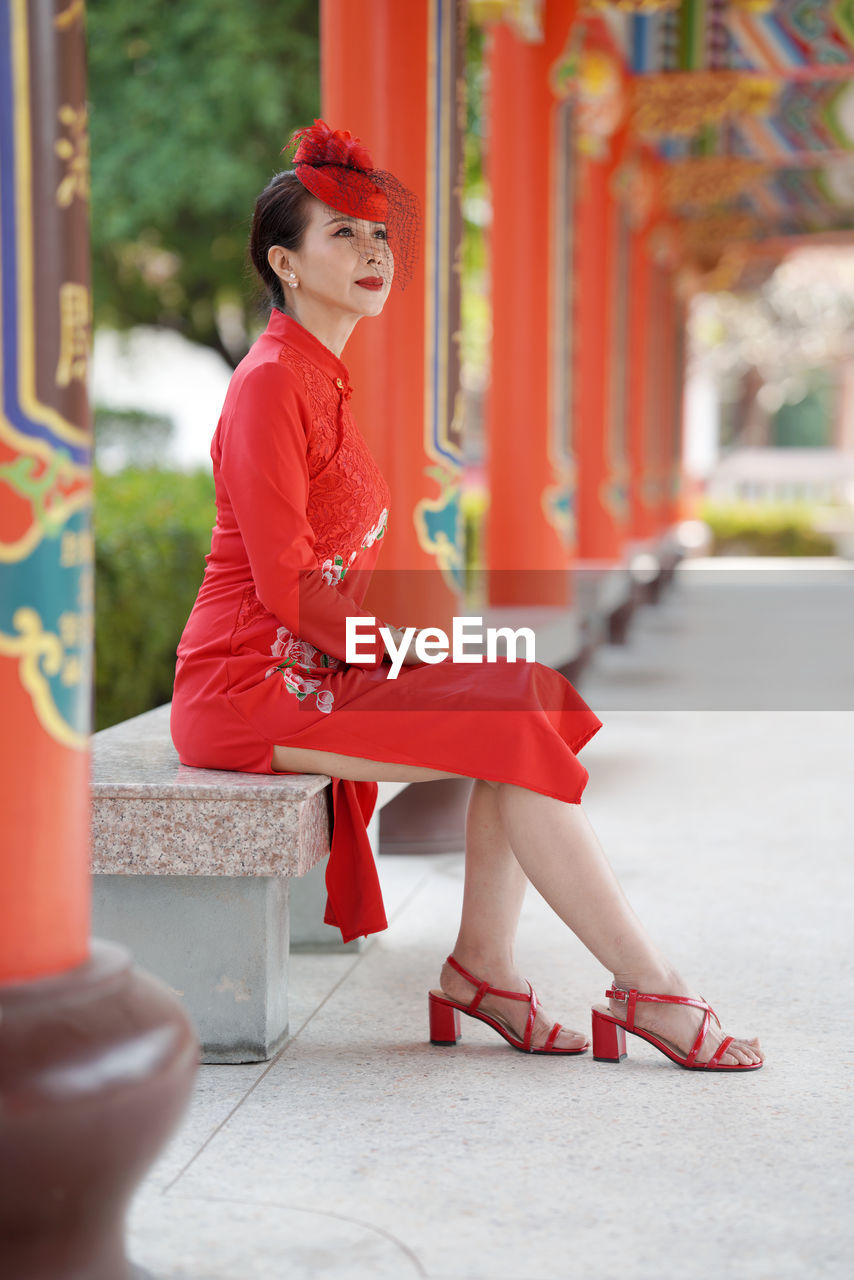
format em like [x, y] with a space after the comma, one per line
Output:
[494, 883]
[301, 760]
[494, 890]
[558, 851]
[562, 857]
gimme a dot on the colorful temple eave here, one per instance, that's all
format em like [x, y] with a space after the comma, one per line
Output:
[741, 114]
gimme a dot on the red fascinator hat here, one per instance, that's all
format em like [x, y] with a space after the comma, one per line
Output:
[337, 169]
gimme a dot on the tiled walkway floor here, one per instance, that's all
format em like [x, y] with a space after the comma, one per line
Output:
[363, 1153]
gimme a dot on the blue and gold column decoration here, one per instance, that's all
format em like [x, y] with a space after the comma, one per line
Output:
[45, 325]
[437, 519]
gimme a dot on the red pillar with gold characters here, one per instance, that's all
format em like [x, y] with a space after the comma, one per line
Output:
[96, 1060]
[393, 74]
[530, 522]
[45, 537]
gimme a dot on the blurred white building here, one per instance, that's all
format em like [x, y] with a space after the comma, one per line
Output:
[160, 372]
[784, 475]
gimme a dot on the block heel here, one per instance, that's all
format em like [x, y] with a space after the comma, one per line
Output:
[444, 1022]
[609, 1040]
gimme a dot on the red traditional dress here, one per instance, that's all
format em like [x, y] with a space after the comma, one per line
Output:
[301, 515]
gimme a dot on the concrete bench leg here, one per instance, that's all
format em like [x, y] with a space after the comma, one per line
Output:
[221, 943]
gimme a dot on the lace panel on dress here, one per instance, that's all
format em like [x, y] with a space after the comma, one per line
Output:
[348, 496]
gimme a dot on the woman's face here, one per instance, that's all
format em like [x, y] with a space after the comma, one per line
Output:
[344, 263]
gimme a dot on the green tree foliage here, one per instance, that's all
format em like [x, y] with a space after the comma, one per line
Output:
[152, 533]
[190, 105]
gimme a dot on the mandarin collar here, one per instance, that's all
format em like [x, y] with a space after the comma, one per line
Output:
[291, 332]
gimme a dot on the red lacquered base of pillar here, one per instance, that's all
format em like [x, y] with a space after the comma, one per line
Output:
[96, 1068]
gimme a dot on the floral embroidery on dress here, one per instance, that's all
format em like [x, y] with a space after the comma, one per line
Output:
[333, 568]
[299, 653]
[373, 535]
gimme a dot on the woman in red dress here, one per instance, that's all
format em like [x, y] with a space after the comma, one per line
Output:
[263, 683]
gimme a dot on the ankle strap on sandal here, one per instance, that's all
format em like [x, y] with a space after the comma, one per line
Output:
[484, 987]
[631, 998]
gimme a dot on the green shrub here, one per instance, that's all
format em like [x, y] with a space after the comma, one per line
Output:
[152, 533]
[764, 529]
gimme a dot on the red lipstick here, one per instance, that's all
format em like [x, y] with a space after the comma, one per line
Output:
[371, 282]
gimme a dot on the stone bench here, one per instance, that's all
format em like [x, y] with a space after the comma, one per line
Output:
[210, 878]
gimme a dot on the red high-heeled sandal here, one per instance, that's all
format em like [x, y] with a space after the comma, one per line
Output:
[609, 1033]
[445, 1016]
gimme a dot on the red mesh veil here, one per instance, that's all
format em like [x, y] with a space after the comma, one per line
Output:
[337, 169]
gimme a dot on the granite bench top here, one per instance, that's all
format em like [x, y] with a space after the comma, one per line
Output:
[151, 815]
[136, 758]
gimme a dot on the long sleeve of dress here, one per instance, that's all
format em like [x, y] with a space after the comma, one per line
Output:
[265, 474]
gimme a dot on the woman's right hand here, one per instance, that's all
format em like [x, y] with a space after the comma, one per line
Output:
[411, 658]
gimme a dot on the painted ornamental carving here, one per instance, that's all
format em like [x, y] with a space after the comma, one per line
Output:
[709, 180]
[681, 102]
[45, 493]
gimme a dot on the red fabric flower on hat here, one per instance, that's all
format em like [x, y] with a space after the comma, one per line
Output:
[334, 167]
[319, 145]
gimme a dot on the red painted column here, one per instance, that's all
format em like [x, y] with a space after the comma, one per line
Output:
[45, 501]
[667, 402]
[527, 551]
[44, 874]
[391, 75]
[655, 398]
[655, 408]
[640, 190]
[639, 376]
[680, 490]
[602, 503]
[96, 1059]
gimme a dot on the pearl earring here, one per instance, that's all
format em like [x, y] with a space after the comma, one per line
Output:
[293, 283]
